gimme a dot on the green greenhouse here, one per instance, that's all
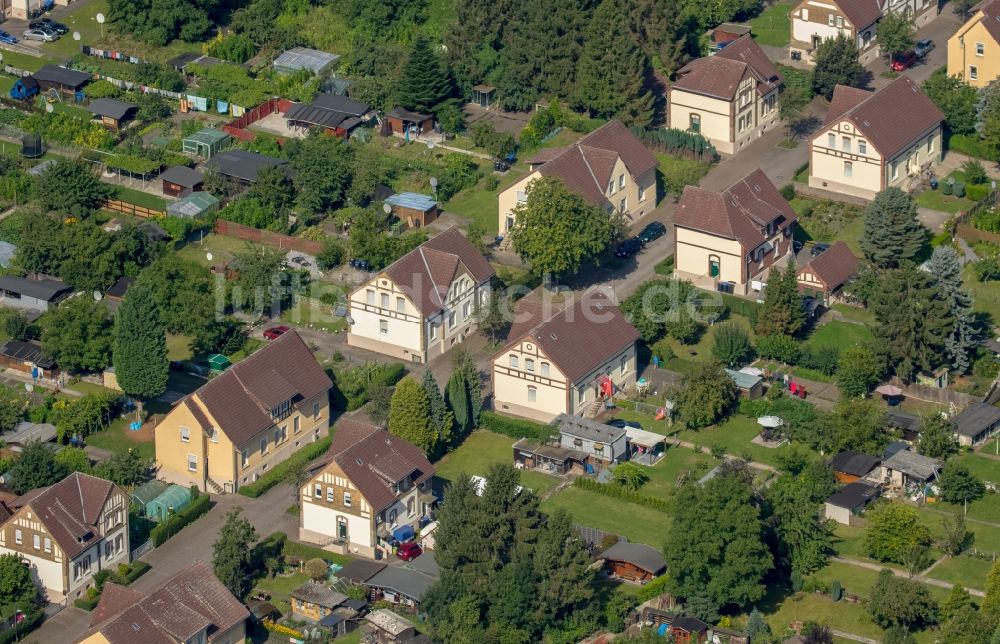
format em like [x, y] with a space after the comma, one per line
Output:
[146, 493]
[172, 499]
[205, 143]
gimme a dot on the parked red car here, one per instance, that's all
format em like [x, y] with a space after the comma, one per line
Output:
[409, 550]
[276, 332]
[903, 61]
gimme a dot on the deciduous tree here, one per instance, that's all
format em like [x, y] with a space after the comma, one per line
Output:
[16, 586]
[956, 601]
[70, 188]
[836, 64]
[126, 468]
[707, 394]
[892, 234]
[77, 335]
[898, 602]
[858, 370]
[956, 99]
[958, 484]
[35, 467]
[893, 529]
[937, 437]
[232, 553]
[894, 33]
[556, 230]
[74, 459]
[731, 344]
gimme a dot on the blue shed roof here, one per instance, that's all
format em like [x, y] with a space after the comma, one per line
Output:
[412, 200]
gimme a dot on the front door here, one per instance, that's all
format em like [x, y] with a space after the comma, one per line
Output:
[816, 40]
[713, 268]
[342, 529]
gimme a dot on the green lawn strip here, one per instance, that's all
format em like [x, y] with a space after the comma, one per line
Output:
[985, 295]
[482, 449]
[803, 607]
[985, 468]
[734, 435]
[937, 200]
[85, 387]
[116, 437]
[315, 315]
[221, 247]
[481, 205]
[140, 198]
[280, 587]
[851, 235]
[838, 335]
[772, 26]
[701, 350]
[676, 172]
[676, 461]
[640, 524]
[966, 570]
[23, 61]
[863, 316]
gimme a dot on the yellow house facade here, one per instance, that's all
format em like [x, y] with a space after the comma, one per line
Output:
[865, 147]
[609, 167]
[974, 50]
[561, 365]
[425, 303]
[240, 425]
[730, 98]
[732, 237]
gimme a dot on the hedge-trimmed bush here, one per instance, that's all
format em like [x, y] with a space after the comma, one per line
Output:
[171, 526]
[30, 622]
[973, 146]
[137, 569]
[281, 471]
[666, 267]
[513, 427]
[353, 385]
[87, 603]
[616, 492]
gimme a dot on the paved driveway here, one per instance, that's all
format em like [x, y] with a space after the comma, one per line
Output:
[194, 542]
[938, 30]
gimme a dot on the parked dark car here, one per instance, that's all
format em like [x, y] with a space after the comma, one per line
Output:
[361, 265]
[409, 550]
[49, 23]
[819, 249]
[923, 47]
[653, 231]
[628, 248]
[7, 38]
[796, 246]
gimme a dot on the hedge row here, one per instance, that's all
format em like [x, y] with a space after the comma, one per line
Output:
[623, 494]
[168, 528]
[513, 427]
[740, 306]
[972, 146]
[138, 569]
[87, 603]
[30, 622]
[281, 471]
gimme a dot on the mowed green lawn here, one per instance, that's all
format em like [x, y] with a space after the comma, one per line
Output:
[676, 462]
[839, 335]
[481, 205]
[773, 26]
[482, 449]
[965, 570]
[640, 524]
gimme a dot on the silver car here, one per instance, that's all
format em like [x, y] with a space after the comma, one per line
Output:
[41, 33]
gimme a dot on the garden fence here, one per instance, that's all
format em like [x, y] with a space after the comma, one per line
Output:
[124, 207]
[271, 238]
[141, 550]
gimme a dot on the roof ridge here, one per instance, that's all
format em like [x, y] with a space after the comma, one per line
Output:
[589, 169]
[423, 258]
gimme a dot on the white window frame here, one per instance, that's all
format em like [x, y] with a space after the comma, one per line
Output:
[383, 327]
[848, 169]
[185, 435]
[452, 320]
[347, 499]
[36, 541]
[805, 14]
[840, 22]
[192, 459]
[829, 20]
[263, 446]
[831, 140]
[973, 72]
[18, 537]
[529, 365]
[244, 457]
[433, 331]
[545, 369]
[370, 297]
[980, 49]
[318, 491]
[331, 496]
[845, 144]
[621, 181]
[862, 147]
[384, 300]
[48, 545]
[400, 305]
[513, 361]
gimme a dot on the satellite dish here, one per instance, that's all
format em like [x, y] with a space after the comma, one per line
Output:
[49, 108]
[208, 256]
[434, 182]
[386, 208]
[76, 35]
[430, 145]
[98, 296]
[100, 18]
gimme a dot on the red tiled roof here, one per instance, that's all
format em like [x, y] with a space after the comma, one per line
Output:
[845, 99]
[893, 118]
[71, 510]
[425, 274]
[585, 167]
[242, 397]
[834, 265]
[114, 599]
[720, 75]
[740, 212]
[191, 600]
[581, 338]
[860, 13]
[379, 460]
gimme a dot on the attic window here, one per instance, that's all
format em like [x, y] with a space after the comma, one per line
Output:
[553, 336]
[756, 187]
[358, 461]
[135, 627]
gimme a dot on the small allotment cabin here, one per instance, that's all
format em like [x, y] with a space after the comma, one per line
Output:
[111, 112]
[180, 181]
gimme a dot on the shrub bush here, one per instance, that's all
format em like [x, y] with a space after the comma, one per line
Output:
[168, 528]
[974, 172]
[281, 471]
[354, 384]
[625, 494]
[490, 183]
[836, 591]
[666, 267]
[977, 192]
[87, 603]
[796, 580]
[972, 146]
[137, 569]
[788, 191]
[755, 408]
[30, 622]
[513, 427]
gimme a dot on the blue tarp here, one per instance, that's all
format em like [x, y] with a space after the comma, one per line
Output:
[662, 630]
[403, 533]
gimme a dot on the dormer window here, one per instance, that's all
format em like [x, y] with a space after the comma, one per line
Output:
[281, 410]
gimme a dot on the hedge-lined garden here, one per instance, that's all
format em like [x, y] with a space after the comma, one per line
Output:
[513, 427]
[281, 471]
[200, 504]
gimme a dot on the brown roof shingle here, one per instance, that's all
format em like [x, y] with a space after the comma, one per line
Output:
[720, 75]
[581, 338]
[71, 510]
[179, 608]
[425, 274]
[585, 167]
[377, 461]
[893, 118]
[241, 398]
[860, 13]
[834, 266]
[845, 99]
[740, 212]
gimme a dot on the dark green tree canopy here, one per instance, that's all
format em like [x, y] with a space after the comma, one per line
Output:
[35, 467]
[77, 335]
[424, 82]
[836, 64]
[892, 234]
[140, 345]
[232, 553]
[71, 188]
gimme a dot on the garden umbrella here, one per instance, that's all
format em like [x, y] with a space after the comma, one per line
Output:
[889, 390]
[770, 421]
